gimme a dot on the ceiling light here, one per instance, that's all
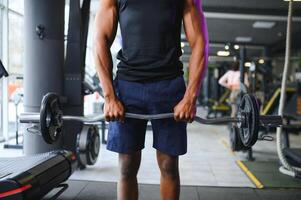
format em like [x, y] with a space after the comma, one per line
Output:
[248, 64]
[243, 39]
[182, 44]
[183, 51]
[227, 47]
[223, 53]
[261, 61]
[264, 25]
[236, 47]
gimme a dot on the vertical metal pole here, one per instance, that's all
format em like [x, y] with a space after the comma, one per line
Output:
[250, 155]
[73, 75]
[74, 69]
[242, 63]
[44, 61]
[103, 132]
[268, 70]
[16, 124]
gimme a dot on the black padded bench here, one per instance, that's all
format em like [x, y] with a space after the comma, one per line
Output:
[32, 177]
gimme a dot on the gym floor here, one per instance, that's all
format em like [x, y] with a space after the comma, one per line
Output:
[90, 190]
[208, 162]
[208, 171]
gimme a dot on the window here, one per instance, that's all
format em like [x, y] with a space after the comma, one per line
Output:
[11, 53]
[16, 44]
[15, 61]
[16, 6]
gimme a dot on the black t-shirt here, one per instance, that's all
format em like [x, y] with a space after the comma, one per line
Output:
[151, 39]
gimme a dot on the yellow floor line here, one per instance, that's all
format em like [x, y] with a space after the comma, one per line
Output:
[251, 176]
[225, 143]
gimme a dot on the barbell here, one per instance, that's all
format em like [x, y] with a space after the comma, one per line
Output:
[247, 121]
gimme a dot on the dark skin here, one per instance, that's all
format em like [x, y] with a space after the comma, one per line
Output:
[169, 181]
[196, 33]
[195, 28]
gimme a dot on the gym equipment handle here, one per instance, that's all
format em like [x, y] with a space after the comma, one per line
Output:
[271, 120]
[29, 118]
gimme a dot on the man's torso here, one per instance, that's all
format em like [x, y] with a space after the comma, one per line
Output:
[151, 36]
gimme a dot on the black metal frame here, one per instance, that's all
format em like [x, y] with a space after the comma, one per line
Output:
[3, 71]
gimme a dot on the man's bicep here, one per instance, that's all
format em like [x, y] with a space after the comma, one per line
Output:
[106, 21]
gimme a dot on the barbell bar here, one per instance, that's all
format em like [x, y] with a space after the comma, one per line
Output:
[247, 120]
[35, 118]
[265, 120]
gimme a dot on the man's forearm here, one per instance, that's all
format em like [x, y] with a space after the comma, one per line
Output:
[198, 61]
[104, 67]
[106, 21]
[196, 70]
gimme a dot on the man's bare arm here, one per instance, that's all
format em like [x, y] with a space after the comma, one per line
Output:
[106, 23]
[197, 36]
[105, 31]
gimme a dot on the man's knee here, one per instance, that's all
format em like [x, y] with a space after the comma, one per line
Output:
[168, 166]
[169, 169]
[129, 165]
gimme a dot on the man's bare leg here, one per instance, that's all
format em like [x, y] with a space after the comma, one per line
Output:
[170, 178]
[127, 185]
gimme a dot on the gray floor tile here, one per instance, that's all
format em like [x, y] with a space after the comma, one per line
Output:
[226, 194]
[149, 192]
[152, 192]
[279, 194]
[98, 190]
[190, 193]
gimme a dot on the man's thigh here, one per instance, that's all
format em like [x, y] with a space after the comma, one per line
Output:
[170, 136]
[129, 136]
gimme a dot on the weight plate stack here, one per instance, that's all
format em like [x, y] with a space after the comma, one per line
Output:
[88, 146]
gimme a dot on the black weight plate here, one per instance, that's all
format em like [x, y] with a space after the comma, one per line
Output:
[80, 148]
[88, 145]
[248, 109]
[256, 121]
[235, 141]
[93, 145]
[51, 118]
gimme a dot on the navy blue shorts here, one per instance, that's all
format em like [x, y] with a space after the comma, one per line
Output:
[169, 136]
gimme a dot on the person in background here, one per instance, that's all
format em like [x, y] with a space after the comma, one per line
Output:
[231, 81]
